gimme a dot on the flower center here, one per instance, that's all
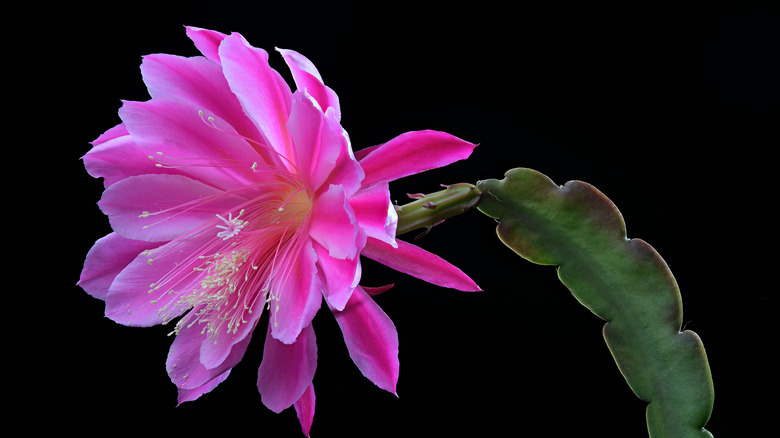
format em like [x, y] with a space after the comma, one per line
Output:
[237, 270]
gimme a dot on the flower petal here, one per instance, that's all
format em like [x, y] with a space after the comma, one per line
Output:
[419, 263]
[371, 339]
[105, 261]
[180, 134]
[287, 370]
[186, 395]
[263, 94]
[297, 296]
[411, 153]
[207, 41]
[157, 208]
[200, 82]
[341, 276]
[185, 368]
[375, 212]
[118, 158]
[138, 297]
[304, 408]
[333, 224]
[307, 77]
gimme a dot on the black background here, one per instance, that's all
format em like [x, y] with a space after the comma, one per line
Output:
[669, 108]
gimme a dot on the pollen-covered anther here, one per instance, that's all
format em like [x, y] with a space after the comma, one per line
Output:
[232, 226]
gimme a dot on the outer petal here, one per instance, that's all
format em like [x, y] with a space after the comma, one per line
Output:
[137, 297]
[186, 395]
[413, 152]
[186, 370]
[200, 82]
[118, 158]
[375, 212]
[419, 263]
[333, 224]
[298, 295]
[176, 134]
[371, 339]
[287, 370]
[207, 41]
[263, 94]
[175, 205]
[304, 408]
[105, 261]
[307, 77]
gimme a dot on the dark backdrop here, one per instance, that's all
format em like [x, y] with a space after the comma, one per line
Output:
[669, 108]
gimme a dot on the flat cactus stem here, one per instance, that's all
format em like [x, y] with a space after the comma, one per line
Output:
[623, 281]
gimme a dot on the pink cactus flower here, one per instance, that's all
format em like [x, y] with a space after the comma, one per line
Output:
[229, 194]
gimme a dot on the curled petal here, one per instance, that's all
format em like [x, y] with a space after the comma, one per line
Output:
[419, 263]
[117, 158]
[371, 339]
[207, 41]
[186, 395]
[341, 276]
[411, 153]
[375, 212]
[287, 370]
[333, 224]
[307, 77]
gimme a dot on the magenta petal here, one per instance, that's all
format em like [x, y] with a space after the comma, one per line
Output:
[371, 339]
[411, 153]
[186, 395]
[304, 408]
[200, 82]
[157, 208]
[117, 158]
[341, 275]
[263, 94]
[135, 298]
[287, 370]
[207, 41]
[375, 212]
[185, 368]
[296, 299]
[107, 258]
[307, 77]
[419, 263]
[333, 224]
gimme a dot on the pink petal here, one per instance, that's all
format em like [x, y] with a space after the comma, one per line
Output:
[118, 158]
[287, 370]
[299, 295]
[263, 94]
[200, 82]
[317, 147]
[186, 395]
[177, 134]
[419, 263]
[375, 212]
[341, 275]
[304, 409]
[134, 297]
[185, 368]
[307, 77]
[411, 153]
[207, 41]
[175, 205]
[371, 339]
[117, 131]
[333, 224]
[105, 261]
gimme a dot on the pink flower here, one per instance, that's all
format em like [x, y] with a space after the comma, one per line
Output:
[229, 194]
